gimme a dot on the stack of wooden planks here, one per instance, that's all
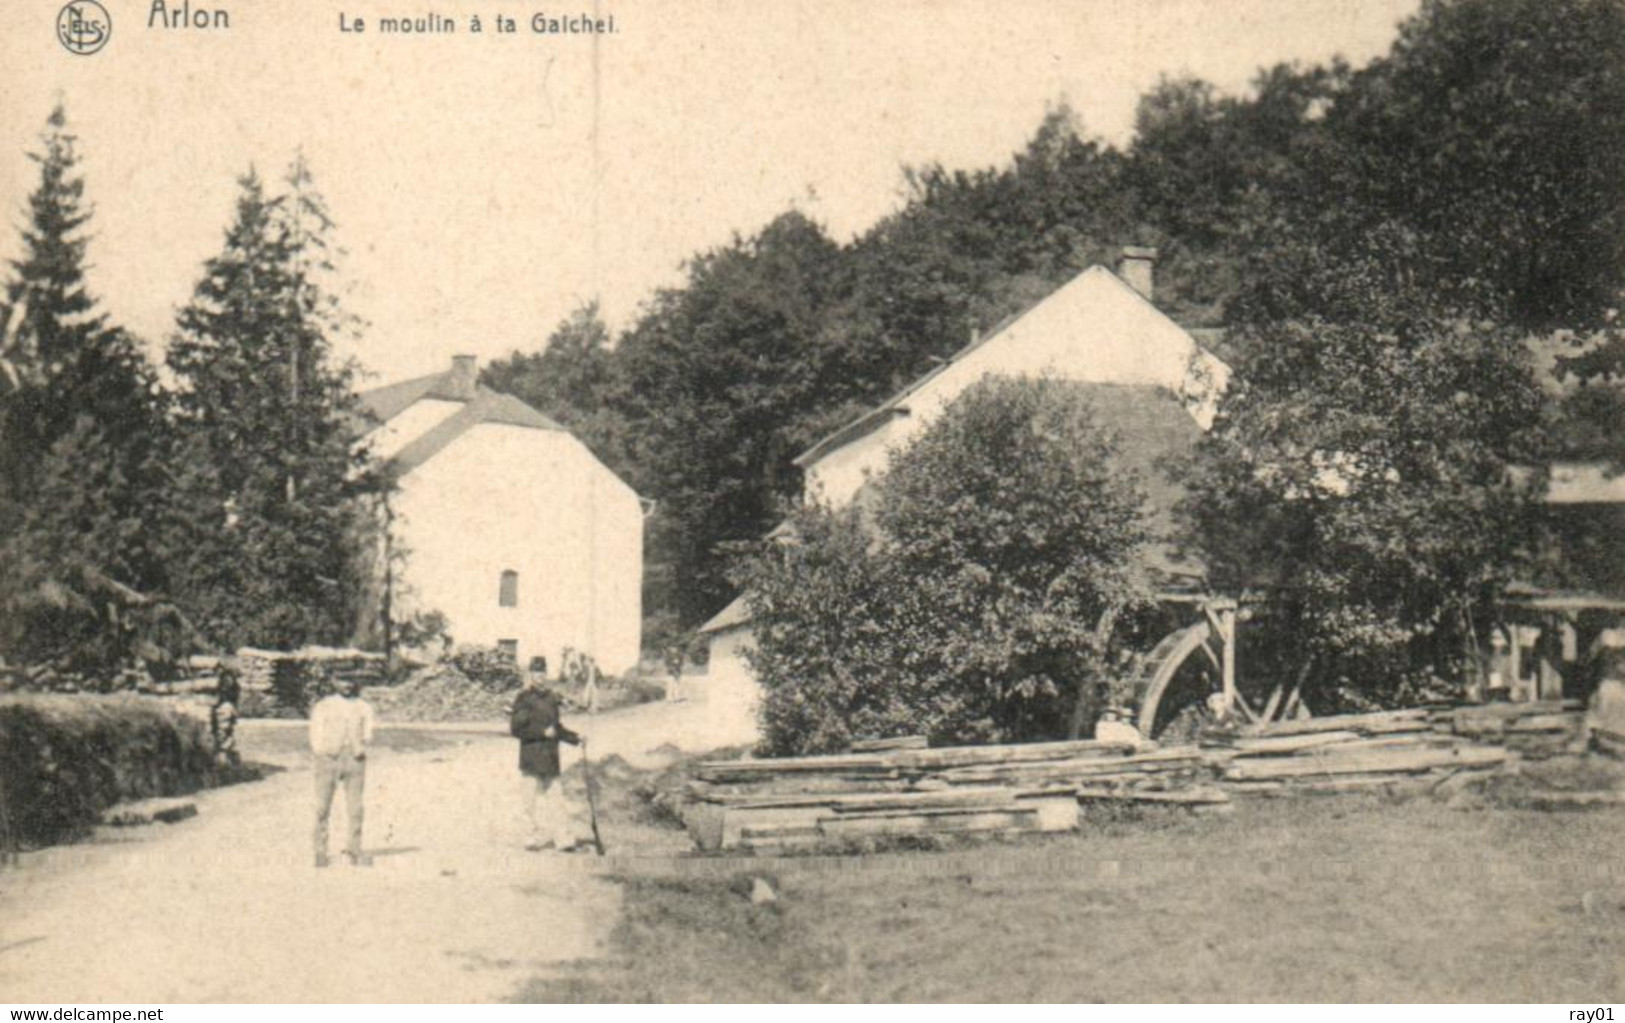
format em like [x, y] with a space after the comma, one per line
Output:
[902, 788]
[1537, 729]
[898, 787]
[1425, 746]
[1351, 751]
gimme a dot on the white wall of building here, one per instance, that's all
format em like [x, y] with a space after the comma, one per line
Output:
[1094, 329]
[728, 683]
[536, 502]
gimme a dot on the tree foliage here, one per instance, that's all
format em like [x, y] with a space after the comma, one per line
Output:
[964, 600]
[718, 373]
[270, 506]
[80, 435]
[1363, 475]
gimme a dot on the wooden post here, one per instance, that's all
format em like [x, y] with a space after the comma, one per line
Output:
[1549, 654]
[1222, 615]
[1227, 618]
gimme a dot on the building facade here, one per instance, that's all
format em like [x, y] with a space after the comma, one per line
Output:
[1145, 373]
[506, 524]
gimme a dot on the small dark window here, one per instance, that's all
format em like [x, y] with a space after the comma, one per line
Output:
[508, 592]
[509, 648]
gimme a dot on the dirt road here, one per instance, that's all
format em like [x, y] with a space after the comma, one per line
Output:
[228, 906]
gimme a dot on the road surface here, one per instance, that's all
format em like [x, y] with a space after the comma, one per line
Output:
[228, 906]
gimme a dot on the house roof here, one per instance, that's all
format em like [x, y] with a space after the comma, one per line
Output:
[897, 404]
[734, 615]
[382, 404]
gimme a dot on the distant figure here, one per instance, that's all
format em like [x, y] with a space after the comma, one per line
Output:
[1607, 708]
[674, 669]
[1498, 688]
[223, 715]
[535, 723]
[341, 727]
[1113, 727]
[589, 688]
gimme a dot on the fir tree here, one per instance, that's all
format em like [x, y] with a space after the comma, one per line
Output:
[267, 413]
[80, 432]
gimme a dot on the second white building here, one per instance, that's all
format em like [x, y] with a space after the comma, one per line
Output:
[506, 523]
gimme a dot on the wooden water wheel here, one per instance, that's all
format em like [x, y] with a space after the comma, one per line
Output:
[1189, 681]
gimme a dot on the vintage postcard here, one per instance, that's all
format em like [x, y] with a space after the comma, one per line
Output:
[812, 501]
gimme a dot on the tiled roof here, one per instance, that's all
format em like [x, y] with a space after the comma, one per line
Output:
[1209, 339]
[486, 406]
[735, 614]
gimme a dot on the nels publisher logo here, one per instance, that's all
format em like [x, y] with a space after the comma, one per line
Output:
[83, 27]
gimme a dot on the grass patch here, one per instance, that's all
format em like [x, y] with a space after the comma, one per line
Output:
[699, 940]
[1334, 898]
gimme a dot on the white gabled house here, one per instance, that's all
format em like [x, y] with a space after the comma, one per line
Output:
[1149, 379]
[509, 526]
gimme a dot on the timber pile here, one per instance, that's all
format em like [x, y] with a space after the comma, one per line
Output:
[1353, 751]
[1537, 729]
[900, 787]
[883, 745]
[278, 683]
[258, 667]
[797, 803]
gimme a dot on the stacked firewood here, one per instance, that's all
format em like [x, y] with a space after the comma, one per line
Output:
[276, 683]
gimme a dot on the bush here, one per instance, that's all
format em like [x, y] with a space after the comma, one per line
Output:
[65, 759]
[965, 605]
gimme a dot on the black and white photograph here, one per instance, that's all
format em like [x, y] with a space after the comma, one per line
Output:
[823, 501]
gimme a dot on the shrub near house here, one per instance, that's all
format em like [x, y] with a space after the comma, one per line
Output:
[962, 600]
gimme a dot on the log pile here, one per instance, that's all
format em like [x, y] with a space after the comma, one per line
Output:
[438, 693]
[277, 683]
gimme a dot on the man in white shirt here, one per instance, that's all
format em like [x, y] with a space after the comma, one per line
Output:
[340, 729]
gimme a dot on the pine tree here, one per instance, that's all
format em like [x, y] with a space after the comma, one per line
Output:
[273, 487]
[80, 429]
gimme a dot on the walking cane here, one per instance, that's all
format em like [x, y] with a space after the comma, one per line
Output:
[592, 797]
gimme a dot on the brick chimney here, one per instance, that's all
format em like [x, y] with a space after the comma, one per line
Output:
[464, 374]
[1136, 269]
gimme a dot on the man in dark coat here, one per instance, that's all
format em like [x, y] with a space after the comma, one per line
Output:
[535, 723]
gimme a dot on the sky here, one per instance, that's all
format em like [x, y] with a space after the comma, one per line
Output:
[484, 185]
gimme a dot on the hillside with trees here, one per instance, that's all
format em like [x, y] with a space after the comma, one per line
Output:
[1466, 181]
[1418, 265]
